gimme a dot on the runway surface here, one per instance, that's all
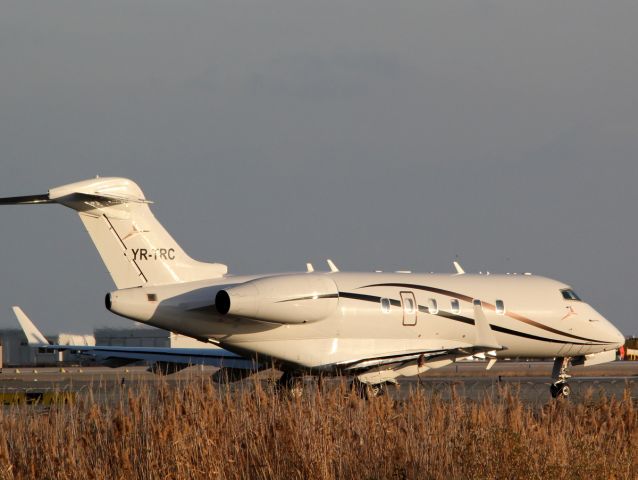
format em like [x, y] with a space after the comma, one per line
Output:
[530, 380]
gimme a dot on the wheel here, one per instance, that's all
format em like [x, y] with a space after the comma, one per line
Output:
[295, 389]
[291, 384]
[367, 390]
[560, 390]
[376, 390]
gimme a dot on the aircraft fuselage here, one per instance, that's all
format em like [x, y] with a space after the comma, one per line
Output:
[373, 313]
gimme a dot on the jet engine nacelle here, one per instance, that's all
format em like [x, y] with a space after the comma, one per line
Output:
[285, 299]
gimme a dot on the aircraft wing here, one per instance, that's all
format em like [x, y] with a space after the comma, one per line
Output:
[416, 361]
[395, 358]
[118, 356]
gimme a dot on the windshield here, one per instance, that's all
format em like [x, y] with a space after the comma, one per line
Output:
[569, 294]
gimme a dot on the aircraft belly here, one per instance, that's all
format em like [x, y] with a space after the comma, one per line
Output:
[524, 347]
[328, 351]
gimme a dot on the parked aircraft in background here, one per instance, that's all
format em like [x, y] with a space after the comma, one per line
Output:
[160, 359]
[377, 327]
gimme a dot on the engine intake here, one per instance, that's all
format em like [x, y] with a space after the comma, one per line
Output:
[222, 302]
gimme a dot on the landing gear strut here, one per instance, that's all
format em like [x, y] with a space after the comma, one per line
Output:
[560, 388]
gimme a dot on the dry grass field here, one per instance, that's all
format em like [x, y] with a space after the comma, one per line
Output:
[201, 431]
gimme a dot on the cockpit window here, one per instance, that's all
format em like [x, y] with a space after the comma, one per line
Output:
[569, 294]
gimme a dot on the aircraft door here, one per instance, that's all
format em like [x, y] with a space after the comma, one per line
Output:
[410, 308]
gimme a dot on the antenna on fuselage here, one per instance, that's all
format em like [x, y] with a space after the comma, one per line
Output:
[309, 268]
[333, 267]
[458, 268]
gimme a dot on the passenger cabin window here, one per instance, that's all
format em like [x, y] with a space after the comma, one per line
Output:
[500, 307]
[408, 305]
[569, 294]
[455, 305]
[432, 306]
[477, 303]
[385, 305]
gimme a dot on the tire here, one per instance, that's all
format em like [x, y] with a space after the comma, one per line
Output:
[290, 385]
[367, 390]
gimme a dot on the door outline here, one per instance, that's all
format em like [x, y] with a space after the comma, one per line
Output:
[409, 317]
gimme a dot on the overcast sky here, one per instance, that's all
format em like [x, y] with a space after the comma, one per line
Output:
[383, 135]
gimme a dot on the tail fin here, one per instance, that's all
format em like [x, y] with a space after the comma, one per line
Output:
[34, 336]
[134, 246]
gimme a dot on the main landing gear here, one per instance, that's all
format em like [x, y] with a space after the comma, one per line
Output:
[290, 383]
[560, 388]
[367, 390]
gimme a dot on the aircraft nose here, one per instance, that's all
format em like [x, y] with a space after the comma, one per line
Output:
[616, 335]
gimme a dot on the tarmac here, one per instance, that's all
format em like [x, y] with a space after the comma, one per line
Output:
[530, 380]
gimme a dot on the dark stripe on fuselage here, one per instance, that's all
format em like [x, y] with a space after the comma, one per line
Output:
[469, 321]
[397, 303]
[368, 298]
[507, 331]
[458, 318]
[466, 298]
[311, 297]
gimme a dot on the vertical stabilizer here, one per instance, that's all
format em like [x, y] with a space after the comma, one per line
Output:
[134, 246]
[34, 336]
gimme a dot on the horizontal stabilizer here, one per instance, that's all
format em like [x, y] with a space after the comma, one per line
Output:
[109, 199]
[26, 200]
[57, 196]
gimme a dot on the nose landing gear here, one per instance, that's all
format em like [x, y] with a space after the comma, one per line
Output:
[560, 388]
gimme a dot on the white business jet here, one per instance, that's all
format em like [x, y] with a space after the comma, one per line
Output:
[377, 327]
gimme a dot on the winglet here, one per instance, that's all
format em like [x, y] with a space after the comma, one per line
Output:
[34, 336]
[484, 335]
[458, 268]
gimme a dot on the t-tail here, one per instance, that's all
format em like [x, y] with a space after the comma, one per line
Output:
[134, 246]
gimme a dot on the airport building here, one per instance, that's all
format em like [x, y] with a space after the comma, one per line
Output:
[15, 351]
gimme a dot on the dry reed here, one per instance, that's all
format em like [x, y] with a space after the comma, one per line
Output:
[198, 430]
